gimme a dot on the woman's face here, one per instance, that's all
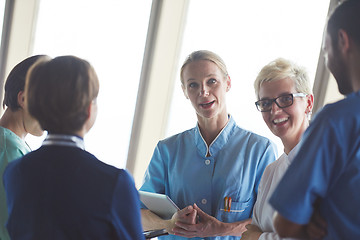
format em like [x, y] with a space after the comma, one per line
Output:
[205, 85]
[287, 123]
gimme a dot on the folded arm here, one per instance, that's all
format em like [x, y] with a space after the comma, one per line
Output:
[287, 228]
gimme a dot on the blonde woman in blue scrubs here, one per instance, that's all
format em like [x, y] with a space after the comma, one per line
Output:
[204, 166]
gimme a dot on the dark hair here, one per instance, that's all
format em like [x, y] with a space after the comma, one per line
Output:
[15, 82]
[59, 92]
[347, 17]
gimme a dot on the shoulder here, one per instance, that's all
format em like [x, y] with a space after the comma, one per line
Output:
[10, 142]
[176, 140]
[255, 137]
[336, 111]
[253, 140]
[276, 165]
[247, 134]
[179, 136]
[125, 176]
[339, 118]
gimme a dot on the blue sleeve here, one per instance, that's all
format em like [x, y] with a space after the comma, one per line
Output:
[155, 175]
[310, 174]
[126, 209]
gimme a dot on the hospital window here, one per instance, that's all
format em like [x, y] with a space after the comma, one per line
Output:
[111, 36]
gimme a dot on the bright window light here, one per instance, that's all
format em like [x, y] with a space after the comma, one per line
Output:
[2, 11]
[110, 35]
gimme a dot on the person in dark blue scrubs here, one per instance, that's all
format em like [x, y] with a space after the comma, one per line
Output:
[61, 191]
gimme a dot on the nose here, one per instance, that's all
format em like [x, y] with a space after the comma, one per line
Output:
[204, 91]
[275, 108]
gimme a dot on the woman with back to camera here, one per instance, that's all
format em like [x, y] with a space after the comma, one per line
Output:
[285, 100]
[61, 191]
[202, 167]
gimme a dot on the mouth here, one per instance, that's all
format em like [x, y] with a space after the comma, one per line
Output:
[207, 105]
[280, 120]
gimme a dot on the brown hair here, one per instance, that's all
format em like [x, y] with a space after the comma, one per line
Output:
[15, 82]
[59, 92]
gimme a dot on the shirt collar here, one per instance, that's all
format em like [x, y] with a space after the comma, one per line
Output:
[293, 153]
[218, 143]
[64, 140]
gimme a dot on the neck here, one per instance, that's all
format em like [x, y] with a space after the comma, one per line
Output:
[14, 121]
[211, 127]
[290, 142]
[354, 68]
[355, 80]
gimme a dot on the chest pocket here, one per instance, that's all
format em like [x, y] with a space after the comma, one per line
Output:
[239, 211]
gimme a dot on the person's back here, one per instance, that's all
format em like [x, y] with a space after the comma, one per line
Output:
[60, 191]
[342, 167]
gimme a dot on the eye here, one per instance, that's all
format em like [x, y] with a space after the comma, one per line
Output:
[265, 103]
[192, 85]
[285, 99]
[212, 81]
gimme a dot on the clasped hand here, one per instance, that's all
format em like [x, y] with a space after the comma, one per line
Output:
[193, 222]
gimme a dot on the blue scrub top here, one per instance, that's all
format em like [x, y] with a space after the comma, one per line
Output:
[180, 169]
[328, 164]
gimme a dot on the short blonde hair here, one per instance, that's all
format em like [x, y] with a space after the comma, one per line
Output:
[204, 55]
[281, 69]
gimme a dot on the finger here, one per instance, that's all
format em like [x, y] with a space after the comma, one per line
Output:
[182, 232]
[200, 212]
[315, 232]
[191, 218]
[320, 221]
[186, 210]
[185, 226]
[248, 227]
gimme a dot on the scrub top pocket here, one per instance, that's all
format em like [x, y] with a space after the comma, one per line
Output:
[238, 209]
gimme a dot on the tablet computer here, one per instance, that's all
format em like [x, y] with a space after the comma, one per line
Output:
[154, 233]
[160, 204]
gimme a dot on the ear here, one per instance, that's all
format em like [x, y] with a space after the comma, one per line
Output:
[21, 99]
[89, 111]
[92, 113]
[343, 41]
[310, 103]
[228, 83]
[184, 91]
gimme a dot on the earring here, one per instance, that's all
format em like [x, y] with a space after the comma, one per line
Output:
[309, 115]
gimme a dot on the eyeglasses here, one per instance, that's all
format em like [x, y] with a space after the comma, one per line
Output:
[283, 101]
